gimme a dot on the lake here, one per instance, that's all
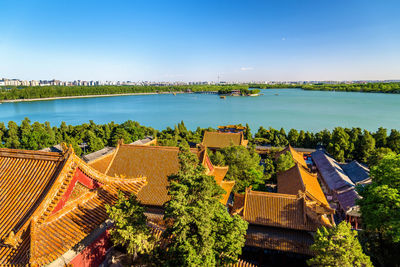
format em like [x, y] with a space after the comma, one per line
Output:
[287, 108]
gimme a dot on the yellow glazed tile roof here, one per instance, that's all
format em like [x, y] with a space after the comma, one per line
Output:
[33, 184]
[277, 210]
[221, 140]
[156, 163]
[298, 179]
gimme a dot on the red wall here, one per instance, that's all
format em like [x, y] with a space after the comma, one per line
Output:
[78, 177]
[94, 254]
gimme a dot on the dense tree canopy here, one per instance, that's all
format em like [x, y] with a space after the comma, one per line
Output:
[244, 167]
[380, 209]
[201, 231]
[284, 162]
[130, 230]
[338, 246]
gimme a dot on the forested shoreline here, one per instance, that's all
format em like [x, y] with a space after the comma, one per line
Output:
[341, 143]
[15, 93]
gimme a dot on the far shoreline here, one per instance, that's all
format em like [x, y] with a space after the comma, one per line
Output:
[82, 96]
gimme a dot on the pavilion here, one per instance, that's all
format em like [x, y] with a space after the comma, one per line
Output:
[156, 163]
[52, 210]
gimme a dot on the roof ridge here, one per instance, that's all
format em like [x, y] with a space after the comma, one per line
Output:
[31, 154]
[272, 194]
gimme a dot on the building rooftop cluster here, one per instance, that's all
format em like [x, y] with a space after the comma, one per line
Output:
[54, 82]
[54, 202]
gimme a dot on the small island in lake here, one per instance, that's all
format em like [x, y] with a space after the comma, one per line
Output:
[238, 92]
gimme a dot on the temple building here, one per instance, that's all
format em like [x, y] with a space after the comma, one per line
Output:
[340, 181]
[52, 208]
[156, 163]
[231, 129]
[285, 221]
[218, 140]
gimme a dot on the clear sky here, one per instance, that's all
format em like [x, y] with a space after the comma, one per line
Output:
[190, 40]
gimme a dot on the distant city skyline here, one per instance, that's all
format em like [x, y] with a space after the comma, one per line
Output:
[187, 41]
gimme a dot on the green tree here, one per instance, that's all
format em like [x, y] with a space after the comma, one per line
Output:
[25, 132]
[380, 137]
[377, 155]
[284, 162]
[12, 138]
[130, 229]
[293, 135]
[339, 144]
[366, 147]
[393, 141]
[3, 131]
[244, 167]
[380, 211]
[338, 246]
[201, 232]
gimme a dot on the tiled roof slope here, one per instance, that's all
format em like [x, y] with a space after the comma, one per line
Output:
[357, 172]
[34, 185]
[297, 156]
[221, 140]
[298, 179]
[157, 163]
[102, 162]
[331, 172]
[277, 210]
[25, 178]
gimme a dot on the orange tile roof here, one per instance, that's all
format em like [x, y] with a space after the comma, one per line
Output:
[102, 162]
[157, 163]
[278, 210]
[35, 183]
[221, 140]
[219, 173]
[227, 186]
[298, 179]
[297, 156]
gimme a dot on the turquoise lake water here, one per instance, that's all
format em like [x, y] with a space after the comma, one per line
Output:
[291, 108]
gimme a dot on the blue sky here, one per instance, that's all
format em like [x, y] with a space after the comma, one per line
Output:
[199, 40]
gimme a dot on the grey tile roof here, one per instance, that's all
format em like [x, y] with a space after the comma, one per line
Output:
[356, 171]
[331, 171]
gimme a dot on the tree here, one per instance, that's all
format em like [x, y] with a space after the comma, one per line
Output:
[338, 246]
[130, 229]
[339, 144]
[247, 133]
[293, 135]
[380, 137]
[200, 230]
[3, 130]
[380, 211]
[12, 138]
[244, 167]
[366, 147]
[393, 141]
[377, 155]
[284, 162]
[25, 132]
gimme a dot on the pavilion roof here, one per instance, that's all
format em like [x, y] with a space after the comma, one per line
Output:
[277, 210]
[357, 172]
[331, 171]
[222, 139]
[39, 218]
[157, 163]
[298, 179]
